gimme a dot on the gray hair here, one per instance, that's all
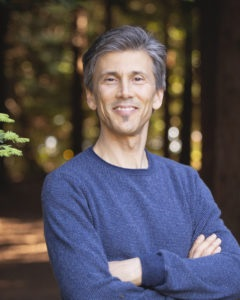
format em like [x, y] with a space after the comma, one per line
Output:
[121, 39]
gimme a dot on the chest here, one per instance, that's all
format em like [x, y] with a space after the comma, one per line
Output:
[135, 217]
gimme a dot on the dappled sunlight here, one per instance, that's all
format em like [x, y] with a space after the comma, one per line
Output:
[22, 241]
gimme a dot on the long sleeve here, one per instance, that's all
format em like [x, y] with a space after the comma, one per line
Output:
[210, 277]
[75, 249]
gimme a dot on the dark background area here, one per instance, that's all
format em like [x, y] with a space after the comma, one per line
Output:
[41, 45]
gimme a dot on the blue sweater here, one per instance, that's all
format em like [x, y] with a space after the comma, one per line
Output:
[95, 212]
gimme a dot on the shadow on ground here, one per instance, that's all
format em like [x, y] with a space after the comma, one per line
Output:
[25, 272]
[27, 281]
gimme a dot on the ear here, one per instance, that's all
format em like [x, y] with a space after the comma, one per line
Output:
[91, 101]
[158, 98]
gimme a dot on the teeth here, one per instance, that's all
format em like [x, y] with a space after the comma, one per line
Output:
[125, 108]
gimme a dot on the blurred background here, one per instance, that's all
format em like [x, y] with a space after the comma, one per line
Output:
[41, 48]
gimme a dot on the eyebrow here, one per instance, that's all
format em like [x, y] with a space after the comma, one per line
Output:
[114, 73]
[108, 73]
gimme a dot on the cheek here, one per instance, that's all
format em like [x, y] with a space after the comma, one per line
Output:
[103, 108]
[145, 96]
[106, 91]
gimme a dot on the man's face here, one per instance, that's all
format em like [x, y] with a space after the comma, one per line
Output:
[124, 92]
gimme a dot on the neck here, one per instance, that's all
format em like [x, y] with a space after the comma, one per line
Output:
[125, 152]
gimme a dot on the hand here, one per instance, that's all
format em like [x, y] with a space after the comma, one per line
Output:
[205, 246]
[127, 270]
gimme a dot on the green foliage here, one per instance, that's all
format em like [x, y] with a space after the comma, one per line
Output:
[5, 118]
[7, 137]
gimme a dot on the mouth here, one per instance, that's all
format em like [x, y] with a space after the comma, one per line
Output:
[125, 110]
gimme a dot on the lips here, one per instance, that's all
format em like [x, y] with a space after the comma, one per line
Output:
[125, 108]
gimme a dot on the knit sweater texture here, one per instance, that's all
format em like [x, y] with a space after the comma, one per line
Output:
[95, 212]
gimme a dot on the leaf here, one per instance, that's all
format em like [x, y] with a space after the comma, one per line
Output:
[5, 118]
[7, 151]
[13, 137]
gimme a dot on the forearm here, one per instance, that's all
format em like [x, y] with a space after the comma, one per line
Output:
[129, 270]
[187, 278]
[210, 277]
[195, 277]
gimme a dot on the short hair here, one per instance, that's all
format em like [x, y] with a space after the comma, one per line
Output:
[121, 39]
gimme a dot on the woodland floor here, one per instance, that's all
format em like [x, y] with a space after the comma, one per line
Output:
[25, 272]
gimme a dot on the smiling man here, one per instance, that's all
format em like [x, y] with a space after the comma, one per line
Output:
[124, 94]
[120, 222]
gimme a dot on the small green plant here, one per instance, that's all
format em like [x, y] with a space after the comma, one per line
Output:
[9, 137]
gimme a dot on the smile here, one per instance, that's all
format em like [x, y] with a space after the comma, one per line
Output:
[125, 108]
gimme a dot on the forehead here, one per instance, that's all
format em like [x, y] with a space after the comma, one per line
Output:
[127, 61]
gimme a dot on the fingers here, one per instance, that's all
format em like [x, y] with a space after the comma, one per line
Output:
[205, 246]
[195, 246]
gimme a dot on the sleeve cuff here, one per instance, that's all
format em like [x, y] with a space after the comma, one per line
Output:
[152, 270]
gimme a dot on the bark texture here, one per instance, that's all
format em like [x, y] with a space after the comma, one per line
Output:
[221, 106]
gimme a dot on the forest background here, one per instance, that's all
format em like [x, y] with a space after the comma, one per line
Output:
[41, 46]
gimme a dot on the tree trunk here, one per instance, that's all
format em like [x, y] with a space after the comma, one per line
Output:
[108, 14]
[166, 93]
[187, 96]
[79, 42]
[221, 105]
[4, 16]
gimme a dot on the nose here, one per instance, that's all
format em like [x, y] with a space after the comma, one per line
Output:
[125, 90]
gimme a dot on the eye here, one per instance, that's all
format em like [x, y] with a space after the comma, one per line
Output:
[110, 79]
[138, 79]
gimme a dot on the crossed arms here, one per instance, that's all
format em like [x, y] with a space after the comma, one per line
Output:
[130, 270]
[83, 270]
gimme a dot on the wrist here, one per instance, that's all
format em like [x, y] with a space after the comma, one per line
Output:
[153, 270]
[129, 270]
[135, 271]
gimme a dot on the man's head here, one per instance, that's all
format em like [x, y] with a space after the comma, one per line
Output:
[121, 39]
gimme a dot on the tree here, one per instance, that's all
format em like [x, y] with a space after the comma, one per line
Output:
[220, 49]
[7, 137]
[4, 17]
[187, 94]
[79, 42]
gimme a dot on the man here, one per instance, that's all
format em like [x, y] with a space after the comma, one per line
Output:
[120, 222]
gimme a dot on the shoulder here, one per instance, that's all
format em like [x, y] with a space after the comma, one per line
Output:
[181, 177]
[75, 164]
[171, 166]
[71, 172]
[186, 182]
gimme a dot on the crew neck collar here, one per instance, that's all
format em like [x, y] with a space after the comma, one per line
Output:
[102, 163]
